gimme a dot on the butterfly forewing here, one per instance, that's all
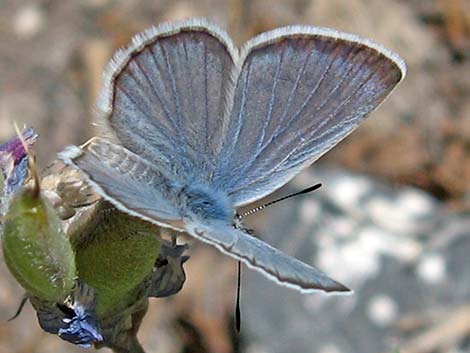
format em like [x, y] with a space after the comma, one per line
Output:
[164, 95]
[299, 92]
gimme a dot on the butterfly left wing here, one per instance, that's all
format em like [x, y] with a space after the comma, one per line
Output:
[129, 182]
[163, 95]
[264, 258]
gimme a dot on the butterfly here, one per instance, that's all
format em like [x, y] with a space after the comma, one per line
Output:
[194, 128]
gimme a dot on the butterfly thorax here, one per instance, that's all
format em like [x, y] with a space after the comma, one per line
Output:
[205, 202]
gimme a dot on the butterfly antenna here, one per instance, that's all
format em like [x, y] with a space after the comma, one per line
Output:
[259, 208]
[254, 210]
[238, 314]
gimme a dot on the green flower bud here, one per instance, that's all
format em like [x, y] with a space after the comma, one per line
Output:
[36, 250]
[114, 254]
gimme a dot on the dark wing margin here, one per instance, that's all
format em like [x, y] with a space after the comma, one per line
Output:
[269, 261]
[300, 91]
[129, 182]
[163, 95]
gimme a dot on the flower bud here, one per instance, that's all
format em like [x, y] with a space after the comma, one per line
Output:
[36, 250]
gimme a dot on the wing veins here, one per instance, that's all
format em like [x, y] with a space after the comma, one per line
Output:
[154, 89]
[340, 83]
[305, 103]
[129, 96]
[268, 117]
[289, 101]
[191, 78]
[271, 103]
[275, 169]
[331, 115]
[345, 122]
[239, 120]
[282, 130]
[296, 115]
[175, 93]
[206, 104]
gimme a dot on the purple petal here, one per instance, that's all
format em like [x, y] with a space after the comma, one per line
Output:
[14, 161]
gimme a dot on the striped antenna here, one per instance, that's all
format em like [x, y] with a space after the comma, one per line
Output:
[259, 208]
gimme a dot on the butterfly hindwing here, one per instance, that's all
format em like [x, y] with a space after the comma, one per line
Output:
[264, 258]
[129, 182]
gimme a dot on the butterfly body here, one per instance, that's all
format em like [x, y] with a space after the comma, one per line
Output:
[193, 128]
[202, 201]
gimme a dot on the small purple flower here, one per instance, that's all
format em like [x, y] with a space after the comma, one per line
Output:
[14, 161]
[76, 323]
[82, 328]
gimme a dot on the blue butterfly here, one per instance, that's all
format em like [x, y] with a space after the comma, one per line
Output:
[193, 128]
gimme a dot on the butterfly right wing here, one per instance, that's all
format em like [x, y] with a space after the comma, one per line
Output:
[126, 180]
[269, 261]
[300, 91]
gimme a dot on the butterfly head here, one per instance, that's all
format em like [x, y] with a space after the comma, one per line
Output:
[205, 202]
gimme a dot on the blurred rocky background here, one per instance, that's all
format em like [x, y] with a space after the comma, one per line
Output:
[392, 220]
